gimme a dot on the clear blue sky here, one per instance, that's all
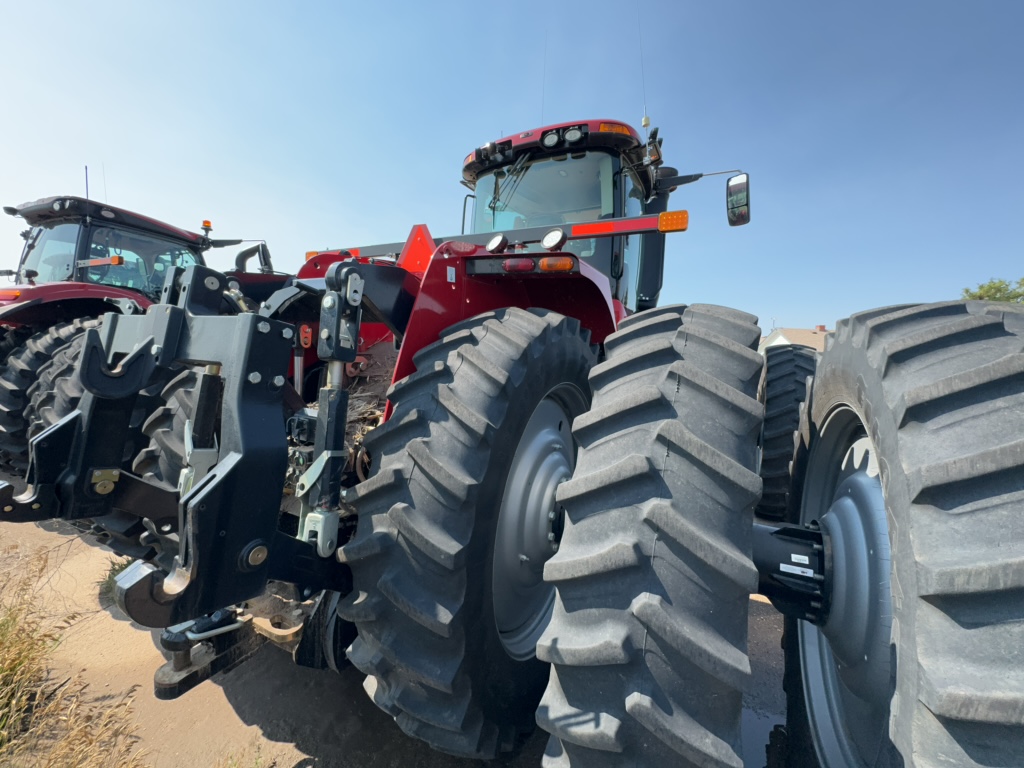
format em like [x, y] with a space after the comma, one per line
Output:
[884, 139]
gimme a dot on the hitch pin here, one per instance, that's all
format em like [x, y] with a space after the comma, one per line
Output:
[104, 480]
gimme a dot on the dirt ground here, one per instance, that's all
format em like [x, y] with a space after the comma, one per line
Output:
[268, 712]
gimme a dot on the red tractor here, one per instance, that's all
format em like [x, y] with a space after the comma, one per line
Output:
[81, 260]
[549, 517]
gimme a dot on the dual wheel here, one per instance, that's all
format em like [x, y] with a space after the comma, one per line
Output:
[627, 640]
[907, 456]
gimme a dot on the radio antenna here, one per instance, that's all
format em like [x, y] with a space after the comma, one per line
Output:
[87, 182]
[645, 123]
[544, 76]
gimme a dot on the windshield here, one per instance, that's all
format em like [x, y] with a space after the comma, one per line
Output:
[550, 192]
[50, 252]
[141, 261]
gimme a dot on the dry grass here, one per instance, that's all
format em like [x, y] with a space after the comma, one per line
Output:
[250, 757]
[47, 722]
[107, 584]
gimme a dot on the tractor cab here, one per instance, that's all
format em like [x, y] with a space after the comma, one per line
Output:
[571, 173]
[78, 240]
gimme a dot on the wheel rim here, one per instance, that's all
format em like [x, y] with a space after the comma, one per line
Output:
[529, 524]
[846, 665]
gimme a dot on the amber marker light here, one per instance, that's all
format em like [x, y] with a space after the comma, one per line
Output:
[557, 264]
[673, 221]
[10, 295]
[613, 128]
[312, 255]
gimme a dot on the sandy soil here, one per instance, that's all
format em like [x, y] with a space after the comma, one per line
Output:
[268, 712]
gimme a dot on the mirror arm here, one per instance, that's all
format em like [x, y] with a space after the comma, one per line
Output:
[677, 181]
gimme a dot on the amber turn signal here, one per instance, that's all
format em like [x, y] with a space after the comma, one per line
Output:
[557, 264]
[673, 221]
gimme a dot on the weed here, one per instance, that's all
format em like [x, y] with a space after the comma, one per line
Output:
[107, 584]
[250, 757]
[44, 722]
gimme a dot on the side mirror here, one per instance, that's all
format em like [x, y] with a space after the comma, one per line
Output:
[8, 273]
[737, 200]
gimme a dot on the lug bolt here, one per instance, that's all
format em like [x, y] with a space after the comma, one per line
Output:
[551, 536]
[551, 515]
[255, 378]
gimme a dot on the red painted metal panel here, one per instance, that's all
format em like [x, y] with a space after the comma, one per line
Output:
[449, 295]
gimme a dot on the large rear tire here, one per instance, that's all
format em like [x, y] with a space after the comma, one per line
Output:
[455, 524]
[162, 460]
[21, 372]
[11, 339]
[648, 639]
[56, 393]
[916, 471]
[787, 370]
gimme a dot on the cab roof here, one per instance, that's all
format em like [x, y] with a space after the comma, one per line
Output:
[69, 207]
[611, 134]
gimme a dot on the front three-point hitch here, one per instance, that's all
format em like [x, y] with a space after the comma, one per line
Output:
[218, 533]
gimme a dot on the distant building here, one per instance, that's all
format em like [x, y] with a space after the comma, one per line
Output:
[808, 338]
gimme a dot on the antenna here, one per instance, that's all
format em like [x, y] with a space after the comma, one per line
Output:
[87, 182]
[646, 121]
[544, 76]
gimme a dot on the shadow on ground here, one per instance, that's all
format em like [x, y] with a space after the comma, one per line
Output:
[330, 718]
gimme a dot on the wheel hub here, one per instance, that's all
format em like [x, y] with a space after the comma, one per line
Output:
[858, 624]
[846, 663]
[529, 528]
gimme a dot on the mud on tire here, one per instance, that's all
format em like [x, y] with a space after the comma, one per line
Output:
[917, 448]
[648, 639]
[432, 579]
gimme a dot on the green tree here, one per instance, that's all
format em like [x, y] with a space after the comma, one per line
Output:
[997, 290]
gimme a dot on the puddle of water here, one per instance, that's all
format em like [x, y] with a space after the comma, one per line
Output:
[756, 728]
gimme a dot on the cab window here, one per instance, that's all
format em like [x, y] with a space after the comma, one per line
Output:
[50, 252]
[133, 260]
[632, 205]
